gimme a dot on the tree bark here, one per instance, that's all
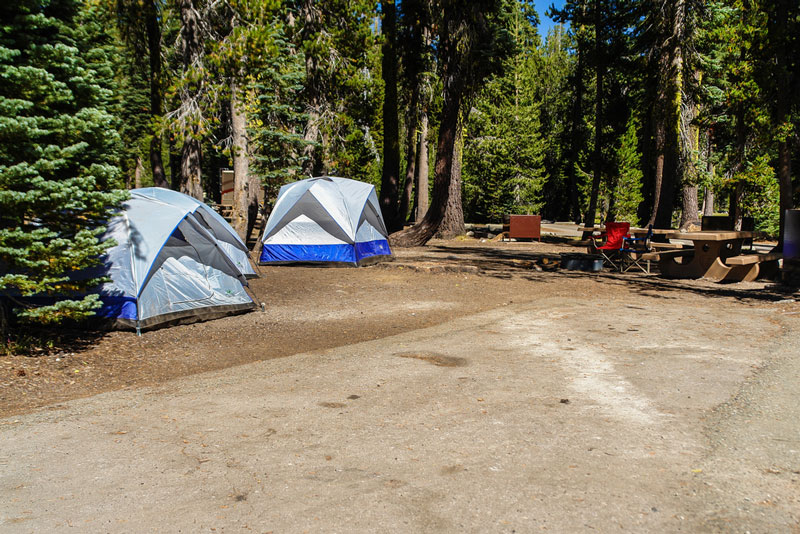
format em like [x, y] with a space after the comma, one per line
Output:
[708, 201]
[137, 173]
[156, 163]
[191, 174]
[591, 212]
[391, 136]
[311, 164]
[784, 185]
[153, 30]
[786, 90]
[576, 121]
[735, 205]
[690, 206]
[668, 117]
[191, 171]
[421, 174]
[241, 166]
[453, 222]
[312, 161]
[4, 329]
[708, 195]
[411, 166]
[174, 163]
[658, 177]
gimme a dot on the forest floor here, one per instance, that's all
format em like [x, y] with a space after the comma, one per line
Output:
[468, 385]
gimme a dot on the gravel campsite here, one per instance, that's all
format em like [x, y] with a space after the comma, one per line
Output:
[467, 386]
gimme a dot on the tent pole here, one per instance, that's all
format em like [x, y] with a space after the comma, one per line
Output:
[138, 330]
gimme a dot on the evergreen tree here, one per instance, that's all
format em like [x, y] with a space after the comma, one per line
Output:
[504, 150]
[553, 71]
[734, 109]
[278, 118]
[141, 24]
[342, 90]
[58, 151]
[778, 75]
[626, 189]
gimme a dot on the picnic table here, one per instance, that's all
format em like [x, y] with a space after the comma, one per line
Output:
[715, 255]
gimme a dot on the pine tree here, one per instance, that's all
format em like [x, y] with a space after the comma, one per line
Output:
[627, 188]
[277, 122]
[342, 89]
[58, 151]
[504, 149]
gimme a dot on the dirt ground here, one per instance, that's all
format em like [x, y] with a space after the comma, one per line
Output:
[466, 386]
[312, 308]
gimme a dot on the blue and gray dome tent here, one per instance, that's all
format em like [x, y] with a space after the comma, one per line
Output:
[325, 220]
[174, 258]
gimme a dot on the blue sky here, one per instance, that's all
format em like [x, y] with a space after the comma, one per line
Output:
[545, 23]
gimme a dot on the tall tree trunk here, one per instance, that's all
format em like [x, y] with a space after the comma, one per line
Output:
[4, 328]
[784, 184]
[708, 195]
[421, 174]
[453, 222]
[391, 133]
[613, 191]
[138, 172]
[241, 166]
[708, 201]
[254, 187]
[311, 165]
[156, 163]
[667, 121]
[191, 174]
[785, 93]
[174, 163]
[191, 171]
[658, 178]
[690, 206]
[153, 30]
[576, 121]
[591, 212]
[735, 205]
[425, 229]
[411, 166]
[411, 155]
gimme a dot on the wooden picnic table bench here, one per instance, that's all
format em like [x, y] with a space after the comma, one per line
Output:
[749, 259]
[754, 265]
[667, 246]
[658, 255]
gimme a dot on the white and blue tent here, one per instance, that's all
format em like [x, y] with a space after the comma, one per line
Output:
[325, 220]
[174, 258]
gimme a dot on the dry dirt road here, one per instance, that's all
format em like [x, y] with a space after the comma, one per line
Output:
[580, 403]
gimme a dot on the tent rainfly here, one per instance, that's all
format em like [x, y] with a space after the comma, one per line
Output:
[175, 258]
[227, 238]
[325, 220]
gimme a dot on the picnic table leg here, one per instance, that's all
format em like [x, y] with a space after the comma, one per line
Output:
[717, 271]
[705, 263]
[743, 273]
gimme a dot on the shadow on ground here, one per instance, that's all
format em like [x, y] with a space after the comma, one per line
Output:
[540, 262]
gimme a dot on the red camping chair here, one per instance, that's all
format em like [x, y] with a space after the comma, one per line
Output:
[614, 237]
